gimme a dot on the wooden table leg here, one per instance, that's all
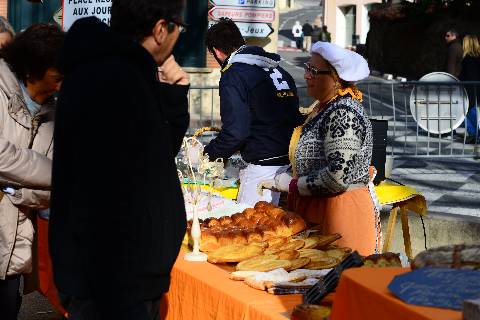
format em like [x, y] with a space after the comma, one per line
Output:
[406, 232]
[392, 219]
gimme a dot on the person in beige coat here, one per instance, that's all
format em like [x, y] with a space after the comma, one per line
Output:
[28, 80]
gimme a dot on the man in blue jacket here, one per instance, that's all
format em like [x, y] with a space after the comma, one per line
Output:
[258, 108]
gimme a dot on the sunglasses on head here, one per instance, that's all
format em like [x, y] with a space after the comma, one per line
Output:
[313, 70]
[182, 27]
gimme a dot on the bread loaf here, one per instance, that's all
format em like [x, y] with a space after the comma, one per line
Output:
[387, 259]
[253, 225]
[464, 256]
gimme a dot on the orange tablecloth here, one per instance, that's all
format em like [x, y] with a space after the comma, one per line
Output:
[45, 272]
[362, 294]
[200, 291]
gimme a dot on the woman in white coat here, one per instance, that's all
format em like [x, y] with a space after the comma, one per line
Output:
[28, 80]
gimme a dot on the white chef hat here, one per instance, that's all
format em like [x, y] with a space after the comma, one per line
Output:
[350, 66]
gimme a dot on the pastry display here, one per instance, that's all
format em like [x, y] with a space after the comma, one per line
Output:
[384, 260]
[464, 256]
[263, 223]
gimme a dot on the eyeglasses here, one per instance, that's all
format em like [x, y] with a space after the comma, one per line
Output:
[182, 27]
[314, 71]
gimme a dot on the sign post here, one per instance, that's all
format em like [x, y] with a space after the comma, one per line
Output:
[252, 17]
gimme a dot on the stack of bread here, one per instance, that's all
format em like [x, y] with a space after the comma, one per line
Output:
[290, 253]
[252, 226]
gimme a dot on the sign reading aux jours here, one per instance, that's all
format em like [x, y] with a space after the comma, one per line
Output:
[76, 9]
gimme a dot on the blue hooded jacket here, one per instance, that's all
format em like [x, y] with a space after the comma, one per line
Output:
[258, 107]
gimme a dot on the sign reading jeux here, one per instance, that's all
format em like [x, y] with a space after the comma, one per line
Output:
[254, 29]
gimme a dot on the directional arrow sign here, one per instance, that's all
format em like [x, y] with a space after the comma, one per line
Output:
[245, 3]
[243, 14]
[58, 16]
[254, 30]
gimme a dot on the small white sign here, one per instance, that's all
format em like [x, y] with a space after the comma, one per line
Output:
[243, 14]
[254, 30]
[245, 3]
[76, 9]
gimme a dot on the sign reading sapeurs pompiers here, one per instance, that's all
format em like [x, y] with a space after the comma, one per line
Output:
[243, 14]
[245, 3]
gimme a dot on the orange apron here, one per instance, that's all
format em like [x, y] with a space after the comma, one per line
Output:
[45, 272]
[351, 213]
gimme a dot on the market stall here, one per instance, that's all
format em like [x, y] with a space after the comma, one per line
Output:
[264, 262]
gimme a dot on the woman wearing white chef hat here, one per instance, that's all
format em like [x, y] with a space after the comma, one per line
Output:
[331, 153]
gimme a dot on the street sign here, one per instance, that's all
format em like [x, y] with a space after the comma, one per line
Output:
[76, 9]
[245, 3]
[243, 14]
[438, 108]
[254, 30]
[58, 16]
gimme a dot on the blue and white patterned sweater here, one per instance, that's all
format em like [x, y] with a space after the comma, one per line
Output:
[335, 149]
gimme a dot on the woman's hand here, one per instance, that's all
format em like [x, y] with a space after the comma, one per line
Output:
[282, 182]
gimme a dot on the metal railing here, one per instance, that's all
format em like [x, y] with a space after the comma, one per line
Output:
[425, 119]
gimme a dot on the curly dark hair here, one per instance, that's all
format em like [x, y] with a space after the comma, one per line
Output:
[34, 50]
[224, 36]
[136, 18]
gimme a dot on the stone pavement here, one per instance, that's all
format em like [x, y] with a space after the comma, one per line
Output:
[451, 187]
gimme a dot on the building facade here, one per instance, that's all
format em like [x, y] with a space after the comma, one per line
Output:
[347, 20]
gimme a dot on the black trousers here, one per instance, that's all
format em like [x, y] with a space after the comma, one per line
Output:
[10, 298]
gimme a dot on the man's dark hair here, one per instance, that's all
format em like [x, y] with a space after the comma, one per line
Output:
[453, 31]
[34, 50]
[225, 36]
[136, 18]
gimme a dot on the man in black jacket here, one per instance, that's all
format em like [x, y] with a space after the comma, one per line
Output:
[307, 30]
[258, 107]
[453, 63]
[117, 215]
